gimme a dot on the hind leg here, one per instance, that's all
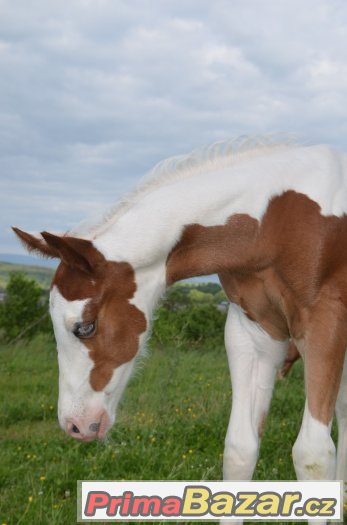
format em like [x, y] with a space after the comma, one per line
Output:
[254, 359]
[341, 415]
[323, 349]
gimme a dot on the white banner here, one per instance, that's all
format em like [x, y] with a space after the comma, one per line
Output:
[209, 500]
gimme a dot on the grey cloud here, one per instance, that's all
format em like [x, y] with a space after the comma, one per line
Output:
[92, 94]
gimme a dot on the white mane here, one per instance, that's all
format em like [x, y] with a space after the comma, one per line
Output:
[215, 156]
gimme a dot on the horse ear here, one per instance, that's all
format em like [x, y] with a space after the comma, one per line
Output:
[76, 253]
[35, 244]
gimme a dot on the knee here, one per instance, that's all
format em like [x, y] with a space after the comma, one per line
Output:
[241, 453]
[314, 459]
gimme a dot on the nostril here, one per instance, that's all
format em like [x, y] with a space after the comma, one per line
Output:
[75, 429]
[94, 427]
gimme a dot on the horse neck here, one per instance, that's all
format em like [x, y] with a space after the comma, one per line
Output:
[181, 230]
[148, 232]
[206, 222]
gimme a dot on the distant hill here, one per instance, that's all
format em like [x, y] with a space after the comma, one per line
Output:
[42, 275]
[16, 258]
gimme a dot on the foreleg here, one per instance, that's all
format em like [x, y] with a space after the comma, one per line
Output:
[254, 359]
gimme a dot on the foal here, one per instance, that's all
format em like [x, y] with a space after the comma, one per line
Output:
[270, 220]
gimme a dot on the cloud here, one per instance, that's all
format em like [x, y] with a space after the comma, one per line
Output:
[92, 94]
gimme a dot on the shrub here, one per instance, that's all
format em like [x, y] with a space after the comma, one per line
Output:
[24, 308]
[204, 323]
[189, 325]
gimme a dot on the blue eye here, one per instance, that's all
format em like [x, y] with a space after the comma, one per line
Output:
[84, 330]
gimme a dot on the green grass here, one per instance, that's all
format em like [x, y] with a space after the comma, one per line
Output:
[171, 426]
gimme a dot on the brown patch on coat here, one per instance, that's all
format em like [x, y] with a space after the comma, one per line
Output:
[119, 323]
[288, 272]
[261, 296]
[324, 352]
[203, 250]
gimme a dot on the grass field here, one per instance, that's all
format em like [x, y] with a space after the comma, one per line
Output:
[171, 426]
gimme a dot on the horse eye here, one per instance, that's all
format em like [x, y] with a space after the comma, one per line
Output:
[84, 330]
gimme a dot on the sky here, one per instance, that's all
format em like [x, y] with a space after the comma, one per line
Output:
[93, 93]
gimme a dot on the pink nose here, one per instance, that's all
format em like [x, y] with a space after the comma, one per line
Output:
[88, 429]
